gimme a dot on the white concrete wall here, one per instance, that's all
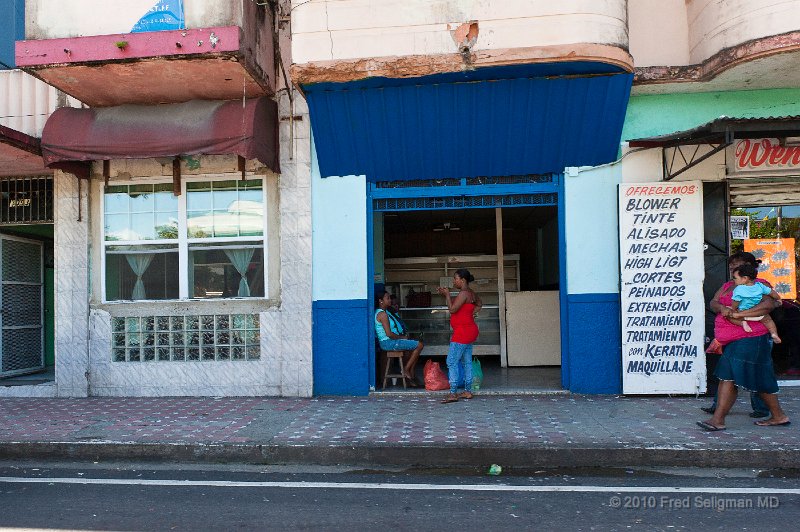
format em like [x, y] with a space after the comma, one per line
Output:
[591, 225]
[52, 19]
[26, 103]
[644, 166]
[659, 32]
[683, 32]
[295, 211]
[325, 30]
[339, 240]
[71, 249]
[718, 24]
[591, 205]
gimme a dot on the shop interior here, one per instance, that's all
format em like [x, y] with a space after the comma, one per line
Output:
[777, 222]
[415, 252]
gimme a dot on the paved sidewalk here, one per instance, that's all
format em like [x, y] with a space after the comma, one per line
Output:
[535, 431]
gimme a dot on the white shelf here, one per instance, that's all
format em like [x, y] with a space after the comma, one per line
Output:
[429, 272]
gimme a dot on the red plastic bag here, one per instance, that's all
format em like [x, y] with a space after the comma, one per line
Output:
[435, 379]
[714, 348]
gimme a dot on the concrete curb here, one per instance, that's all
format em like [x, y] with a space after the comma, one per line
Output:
[405, 455]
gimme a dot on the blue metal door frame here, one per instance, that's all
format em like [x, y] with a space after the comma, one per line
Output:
[472, 193]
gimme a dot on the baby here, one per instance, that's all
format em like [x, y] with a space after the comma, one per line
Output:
[747, 294]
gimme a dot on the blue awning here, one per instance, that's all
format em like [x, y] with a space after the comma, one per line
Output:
[516, 120]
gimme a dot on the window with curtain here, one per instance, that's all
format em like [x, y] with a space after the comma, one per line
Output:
[206, 243]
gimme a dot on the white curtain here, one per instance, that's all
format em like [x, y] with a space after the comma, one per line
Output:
[139, 262]
[240, 258]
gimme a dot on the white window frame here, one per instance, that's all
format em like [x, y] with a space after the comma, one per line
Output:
[183, 240]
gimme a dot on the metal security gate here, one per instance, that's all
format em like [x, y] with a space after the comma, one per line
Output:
[21, 306]
[469, 193]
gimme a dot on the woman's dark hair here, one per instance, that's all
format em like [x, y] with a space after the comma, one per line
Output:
[464, 274]
[747, 270]
[378, 296]
[744, 256]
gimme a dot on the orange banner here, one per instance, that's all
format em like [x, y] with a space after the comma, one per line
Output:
[777, 263]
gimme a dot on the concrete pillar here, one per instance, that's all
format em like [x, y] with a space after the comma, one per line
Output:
[295, 249]
[71, 246]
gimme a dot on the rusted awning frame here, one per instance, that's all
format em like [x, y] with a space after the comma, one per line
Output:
[718, 135]
[20, 140]
[33, 145]
[24, 142]
[669, 163]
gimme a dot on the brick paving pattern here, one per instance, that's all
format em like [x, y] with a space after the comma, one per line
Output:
[525, 421]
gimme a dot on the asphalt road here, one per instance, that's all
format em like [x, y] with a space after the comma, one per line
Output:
[175, 497]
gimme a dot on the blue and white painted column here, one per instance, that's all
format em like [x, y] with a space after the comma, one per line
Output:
[594, 358]
[339, 287]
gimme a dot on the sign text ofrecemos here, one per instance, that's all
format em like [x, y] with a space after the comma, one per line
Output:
[661, 269]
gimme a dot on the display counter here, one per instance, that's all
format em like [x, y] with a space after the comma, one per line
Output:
[432, 326]
[423, 275]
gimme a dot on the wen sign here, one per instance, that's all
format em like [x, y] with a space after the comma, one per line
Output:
[661, 285]
[763, 156]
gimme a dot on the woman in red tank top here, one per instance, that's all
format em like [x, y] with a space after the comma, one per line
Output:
[463, 310]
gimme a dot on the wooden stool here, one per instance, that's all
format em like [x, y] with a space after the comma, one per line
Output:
[402, 375]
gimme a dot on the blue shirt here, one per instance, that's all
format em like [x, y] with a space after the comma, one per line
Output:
[750, 296]
[379, 331]
[395, 326]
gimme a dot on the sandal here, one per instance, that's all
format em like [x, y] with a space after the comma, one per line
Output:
[770, 423]
[452, 398]
[465, 395]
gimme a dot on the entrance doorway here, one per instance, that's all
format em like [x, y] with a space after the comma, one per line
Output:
[513, 253]
[22, 304]
[27, 291]
[768, 220]
[27, 300]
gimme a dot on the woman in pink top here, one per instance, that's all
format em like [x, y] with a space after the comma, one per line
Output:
[747, 356]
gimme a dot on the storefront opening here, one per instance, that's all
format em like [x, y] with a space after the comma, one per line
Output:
[774, 223]
[418, 251]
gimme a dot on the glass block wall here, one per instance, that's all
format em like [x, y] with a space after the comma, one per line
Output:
[207, 337]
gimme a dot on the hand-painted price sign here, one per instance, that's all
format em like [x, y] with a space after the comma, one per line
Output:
[661, 270]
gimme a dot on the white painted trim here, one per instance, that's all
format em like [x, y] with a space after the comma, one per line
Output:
[226, 245]
[559, 488]
[264, 233]
[183, 246]
[224, 239]
[182, 242]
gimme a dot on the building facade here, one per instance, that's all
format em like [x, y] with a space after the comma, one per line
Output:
[27, 331]
[181, 211]
[710, 78]
[431, 117]
[419, 89]
[205, 244]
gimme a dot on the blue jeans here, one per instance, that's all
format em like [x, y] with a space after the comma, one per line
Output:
[399, 345]
[459, 353]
